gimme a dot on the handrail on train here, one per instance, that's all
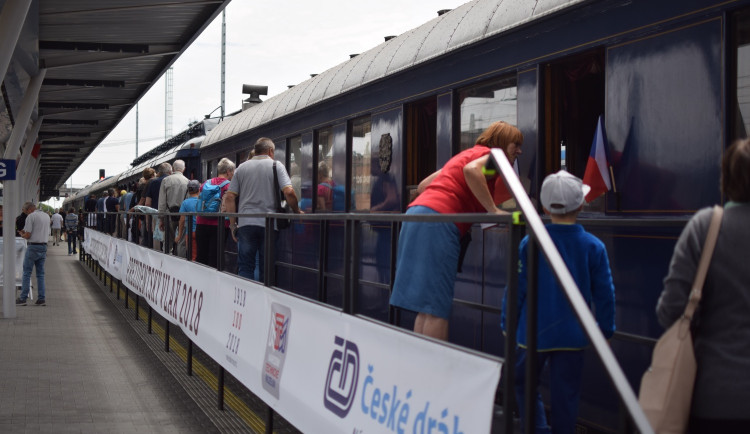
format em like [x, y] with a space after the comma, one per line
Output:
[541, 238]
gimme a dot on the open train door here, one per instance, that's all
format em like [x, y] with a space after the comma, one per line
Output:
[421, 144]
[573, 101]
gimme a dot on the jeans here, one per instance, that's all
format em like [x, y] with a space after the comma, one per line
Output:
[35, 257]
[251, 242]
[71, 242]
[566, 369]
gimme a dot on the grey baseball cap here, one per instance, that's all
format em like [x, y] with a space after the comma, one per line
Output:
[563, 192]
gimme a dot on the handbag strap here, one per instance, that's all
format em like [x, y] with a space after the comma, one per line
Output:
[276, 188]
[708, 250]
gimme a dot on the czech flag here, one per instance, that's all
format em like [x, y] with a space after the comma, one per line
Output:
[597, 168]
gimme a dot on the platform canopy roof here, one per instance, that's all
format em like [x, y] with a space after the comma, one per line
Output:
[101, 57]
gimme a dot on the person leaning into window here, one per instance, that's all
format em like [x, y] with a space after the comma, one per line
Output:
[721, 327]
[428, 253]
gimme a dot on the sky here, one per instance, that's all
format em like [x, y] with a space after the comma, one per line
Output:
[269, 42]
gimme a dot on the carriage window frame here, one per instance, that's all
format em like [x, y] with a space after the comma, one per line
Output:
[469, 127]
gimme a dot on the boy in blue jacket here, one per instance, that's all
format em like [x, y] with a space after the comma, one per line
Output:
[560, 339]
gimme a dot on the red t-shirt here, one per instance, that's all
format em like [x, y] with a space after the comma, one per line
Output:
[448, 193]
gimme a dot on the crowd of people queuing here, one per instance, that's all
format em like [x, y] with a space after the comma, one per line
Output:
[165, 189]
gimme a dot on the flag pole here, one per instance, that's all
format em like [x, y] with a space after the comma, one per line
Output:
[612, 178]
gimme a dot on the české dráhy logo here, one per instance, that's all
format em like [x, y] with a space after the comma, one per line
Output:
[341, 381]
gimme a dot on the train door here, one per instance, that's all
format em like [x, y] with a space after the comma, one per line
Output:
[573, 101]
[421, 144]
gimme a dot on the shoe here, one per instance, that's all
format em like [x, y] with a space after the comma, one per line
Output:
[40, 302]
[20, 302]
[74, 251]
[69, 253]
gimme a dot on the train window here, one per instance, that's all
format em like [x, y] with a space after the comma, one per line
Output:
[361, 163]
[324, 176]
[242, 156]
[294, 145]
[740, 110]
[484, 104]
[212, 169]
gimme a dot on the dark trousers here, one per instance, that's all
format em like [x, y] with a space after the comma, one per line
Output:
[566, 369]
[71, 241]
[205, 239]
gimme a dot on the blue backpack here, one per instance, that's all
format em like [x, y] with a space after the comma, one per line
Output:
[210, 197]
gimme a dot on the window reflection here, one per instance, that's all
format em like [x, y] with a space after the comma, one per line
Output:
[361, 156]
[325, 183]
[295, 159]
[484, 104]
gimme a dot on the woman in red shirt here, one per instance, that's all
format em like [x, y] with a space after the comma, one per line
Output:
[428, 252]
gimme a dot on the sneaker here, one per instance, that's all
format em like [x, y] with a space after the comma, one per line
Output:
[40, 302]
[20, 302]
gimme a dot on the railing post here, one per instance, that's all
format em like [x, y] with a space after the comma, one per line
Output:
[348, 290]
[511, 324]
[127, 294]
[394, 314]
[190, 358]
[322, 259]
[137, 300]
[220, 397]
[531, 338]
[150, 318]
[269, 276]
[220, 233]
[269, 420]
[356, 253]
[166, 335]
[189, 237]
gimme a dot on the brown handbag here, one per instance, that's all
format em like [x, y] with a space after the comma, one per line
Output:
[667, 386]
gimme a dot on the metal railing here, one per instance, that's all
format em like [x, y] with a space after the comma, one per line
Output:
[352, 228]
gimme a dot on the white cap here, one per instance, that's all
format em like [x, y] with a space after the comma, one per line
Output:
[563, 192]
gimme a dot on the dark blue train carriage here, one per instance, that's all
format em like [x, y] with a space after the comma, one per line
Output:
[668, 77]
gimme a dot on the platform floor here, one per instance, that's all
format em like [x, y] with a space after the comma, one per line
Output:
[75, 366]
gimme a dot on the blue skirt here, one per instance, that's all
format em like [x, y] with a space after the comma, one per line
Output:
[426, 265]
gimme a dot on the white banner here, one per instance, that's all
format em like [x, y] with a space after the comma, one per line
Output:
[322, 370]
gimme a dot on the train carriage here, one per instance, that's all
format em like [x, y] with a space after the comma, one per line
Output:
[668, 78]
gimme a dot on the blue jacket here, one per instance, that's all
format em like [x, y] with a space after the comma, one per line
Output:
[586, 258]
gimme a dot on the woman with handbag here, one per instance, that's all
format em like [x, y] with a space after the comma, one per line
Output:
[721, 326]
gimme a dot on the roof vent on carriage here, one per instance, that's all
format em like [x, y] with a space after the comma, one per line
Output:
[442, 12]
[389, 37]
[255, 92]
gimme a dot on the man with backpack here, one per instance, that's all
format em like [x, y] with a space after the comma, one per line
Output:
[258, 192]
[211, 194]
